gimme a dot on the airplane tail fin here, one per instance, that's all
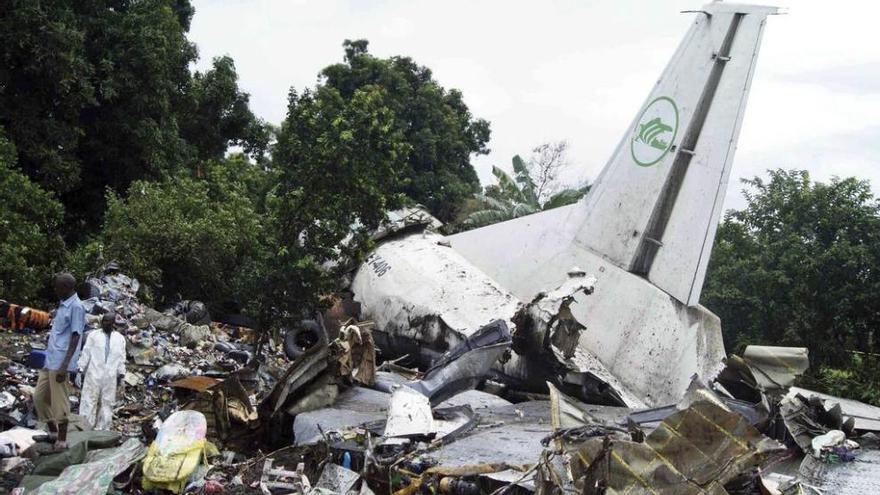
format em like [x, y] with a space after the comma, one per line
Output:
[655, 207]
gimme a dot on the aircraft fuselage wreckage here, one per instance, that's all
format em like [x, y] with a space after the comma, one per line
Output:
[602, 297]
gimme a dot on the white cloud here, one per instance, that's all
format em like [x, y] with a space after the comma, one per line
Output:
[566, 69]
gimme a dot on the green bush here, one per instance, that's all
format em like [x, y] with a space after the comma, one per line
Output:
[184, 237]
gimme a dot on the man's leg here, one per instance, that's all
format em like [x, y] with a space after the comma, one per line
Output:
[88, 400]
[108, 400]
[43, 400]
[60, 396]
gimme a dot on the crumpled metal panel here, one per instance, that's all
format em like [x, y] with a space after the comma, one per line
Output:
[696, 450]
[867, 417]
[776, 367]
[337, 479]
[466, 365]
[409, 413]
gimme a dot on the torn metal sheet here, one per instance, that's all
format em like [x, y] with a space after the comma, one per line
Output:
[547, 320]
[476, 400]
[504, 446]
[800, 421]
[337, 479]
[776, 367]
[756, 414]
[515, 447]
[226, 407]
[566, 413]
[409, 413]
[867, 417]
[547, 336]
[452, 422]
[738, 381]
[697, 447]
[355, 354]
[466, 365]
[322, 392]
[406, 219]
[586, 377]
[353, 407]
[697, 450]
[301, 371]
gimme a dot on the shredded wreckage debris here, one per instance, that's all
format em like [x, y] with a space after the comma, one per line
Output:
[484, 362]
[342, 419]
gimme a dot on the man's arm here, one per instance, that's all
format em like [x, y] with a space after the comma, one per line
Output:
[120, 371]
[85, 356]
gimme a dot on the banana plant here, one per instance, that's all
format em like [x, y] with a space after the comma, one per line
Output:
[515, 197]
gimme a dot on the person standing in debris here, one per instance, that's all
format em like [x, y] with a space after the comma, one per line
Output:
[51, 396]
[103, 366]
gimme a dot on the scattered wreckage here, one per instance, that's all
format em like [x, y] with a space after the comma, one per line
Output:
[340, 418]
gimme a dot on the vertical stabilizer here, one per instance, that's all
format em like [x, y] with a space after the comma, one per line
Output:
[655, 207]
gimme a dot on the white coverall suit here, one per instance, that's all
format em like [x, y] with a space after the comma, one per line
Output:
[101, 366]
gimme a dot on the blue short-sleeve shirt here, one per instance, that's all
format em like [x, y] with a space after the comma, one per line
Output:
[69, 319]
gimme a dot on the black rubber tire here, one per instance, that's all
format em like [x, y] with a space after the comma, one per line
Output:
[302, 337]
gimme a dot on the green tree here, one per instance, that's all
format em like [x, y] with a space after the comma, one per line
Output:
[186, 237]
[45, 82]
[30, 249]
[220, 115]
[338, 162]
[800, 265]
[435, 122]
[100, 94]
[140, 60]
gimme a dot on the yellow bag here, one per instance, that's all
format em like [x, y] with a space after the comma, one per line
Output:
[185, 448]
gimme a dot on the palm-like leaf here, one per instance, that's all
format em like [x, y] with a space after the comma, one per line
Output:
[485, 217]
[523, 209]
[524, 179]
[509, 189]
[493, 203]
[562, 198]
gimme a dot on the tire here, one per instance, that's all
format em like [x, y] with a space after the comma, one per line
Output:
[302, 337]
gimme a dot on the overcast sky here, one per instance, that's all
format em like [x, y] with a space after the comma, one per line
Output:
[577, 70]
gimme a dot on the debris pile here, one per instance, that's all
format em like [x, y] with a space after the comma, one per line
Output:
[203, 412]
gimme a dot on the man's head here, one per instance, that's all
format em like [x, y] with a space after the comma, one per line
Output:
[108, 321]
[65, 285]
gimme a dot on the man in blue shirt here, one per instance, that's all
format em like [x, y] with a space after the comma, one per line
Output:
[51, 397]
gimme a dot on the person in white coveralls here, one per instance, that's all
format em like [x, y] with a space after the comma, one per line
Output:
[102, 363]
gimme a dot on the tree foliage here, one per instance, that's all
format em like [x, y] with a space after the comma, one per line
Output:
[800, 265]
[338, 161]
[532, 188]
[435, 123]
[100, 94]
[220, 116]
[185, 237]
[30, 248]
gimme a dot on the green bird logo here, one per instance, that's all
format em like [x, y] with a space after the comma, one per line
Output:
[650, 133]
